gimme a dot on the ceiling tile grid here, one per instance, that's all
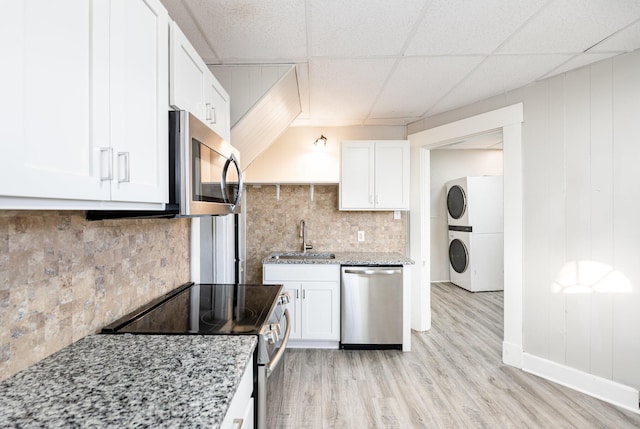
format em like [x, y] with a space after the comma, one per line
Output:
[253, 31]
[418, 83]
[346, 88]
[497, 75]
[454, 27]
[572, 26]
[361, 28]
[392, 62]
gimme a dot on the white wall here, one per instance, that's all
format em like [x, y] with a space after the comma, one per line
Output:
[293, 158]
[580, 142]
[448, 165]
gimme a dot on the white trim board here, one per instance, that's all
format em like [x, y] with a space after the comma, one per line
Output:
[509, 120]
[615, 393]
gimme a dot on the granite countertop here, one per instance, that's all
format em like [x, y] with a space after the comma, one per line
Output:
[129, 381]
[345, 258]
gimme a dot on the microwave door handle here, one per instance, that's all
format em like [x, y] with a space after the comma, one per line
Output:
[276, 357]
[234, 203]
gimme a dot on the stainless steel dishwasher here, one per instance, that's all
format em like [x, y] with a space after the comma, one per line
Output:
[371, 307]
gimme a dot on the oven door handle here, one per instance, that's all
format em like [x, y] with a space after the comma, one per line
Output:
[276, 357]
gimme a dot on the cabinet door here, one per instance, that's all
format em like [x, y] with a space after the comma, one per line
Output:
[139, 100]
[320, 311]
[356, 175]
[48, 150]
[216, 104]
[293, 288]
[187, 75]
[392, 175]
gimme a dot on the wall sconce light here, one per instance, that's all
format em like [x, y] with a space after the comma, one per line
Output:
[321, 141]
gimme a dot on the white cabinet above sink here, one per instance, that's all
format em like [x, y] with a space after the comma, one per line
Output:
[374, 175]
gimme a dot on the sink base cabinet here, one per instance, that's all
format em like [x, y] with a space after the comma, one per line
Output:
[315, 302]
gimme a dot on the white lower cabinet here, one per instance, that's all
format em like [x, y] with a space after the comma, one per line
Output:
[240, 411]
[315, 300]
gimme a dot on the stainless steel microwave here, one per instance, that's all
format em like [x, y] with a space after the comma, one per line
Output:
[204, 174]
[208, 176]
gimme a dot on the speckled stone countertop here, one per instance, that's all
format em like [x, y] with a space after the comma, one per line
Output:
[129, 381]
[344, 258]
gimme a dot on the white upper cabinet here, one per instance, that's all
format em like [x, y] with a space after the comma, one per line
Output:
[85, 102]
[216, 107]
[374, 175]
[48, 149]
[194, 88]
[139, 100]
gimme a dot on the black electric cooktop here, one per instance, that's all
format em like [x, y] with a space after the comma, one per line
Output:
[203, 309]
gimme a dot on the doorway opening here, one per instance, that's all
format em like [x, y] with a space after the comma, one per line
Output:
[508, 121]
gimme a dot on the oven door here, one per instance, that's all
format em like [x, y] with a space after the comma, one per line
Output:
[271, 377]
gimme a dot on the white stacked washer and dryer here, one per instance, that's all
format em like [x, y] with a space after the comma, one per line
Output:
[476, 244]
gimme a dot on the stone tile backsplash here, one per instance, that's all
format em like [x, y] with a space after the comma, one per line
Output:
[272, 224]
[62, 277]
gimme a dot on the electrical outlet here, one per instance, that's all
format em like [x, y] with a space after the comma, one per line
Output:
[396, 214]
[360, 235]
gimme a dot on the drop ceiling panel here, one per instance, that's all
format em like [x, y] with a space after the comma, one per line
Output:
[418, 83]
[340, 28]
[572, 26]
[626, 40]
[346, 88]
[453, 27]
[498, 75]
[253, 31]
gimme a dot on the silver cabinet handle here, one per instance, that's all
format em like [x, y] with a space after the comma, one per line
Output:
[238, 423]
[213, 115]
[106, 168]
[123, 167]
[207, 112]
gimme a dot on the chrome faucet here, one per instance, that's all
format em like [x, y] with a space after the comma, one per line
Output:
[305, 246]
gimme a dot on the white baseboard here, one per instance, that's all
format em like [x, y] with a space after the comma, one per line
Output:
[310, 344]
[615, 393]
[511, 354]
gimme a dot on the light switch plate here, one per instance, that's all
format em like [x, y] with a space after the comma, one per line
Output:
[360, 235]
[396, 214]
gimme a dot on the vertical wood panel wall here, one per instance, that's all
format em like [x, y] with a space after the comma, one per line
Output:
[581, 161]
[582, 196]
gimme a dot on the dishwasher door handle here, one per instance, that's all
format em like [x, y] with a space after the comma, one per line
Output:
[371, 272]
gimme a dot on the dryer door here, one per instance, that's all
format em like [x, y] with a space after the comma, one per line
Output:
[458, 255]
[456, 202]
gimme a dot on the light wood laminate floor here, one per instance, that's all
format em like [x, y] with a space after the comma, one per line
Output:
[452, 378]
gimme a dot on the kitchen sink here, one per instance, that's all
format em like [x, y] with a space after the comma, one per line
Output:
[300, 255]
